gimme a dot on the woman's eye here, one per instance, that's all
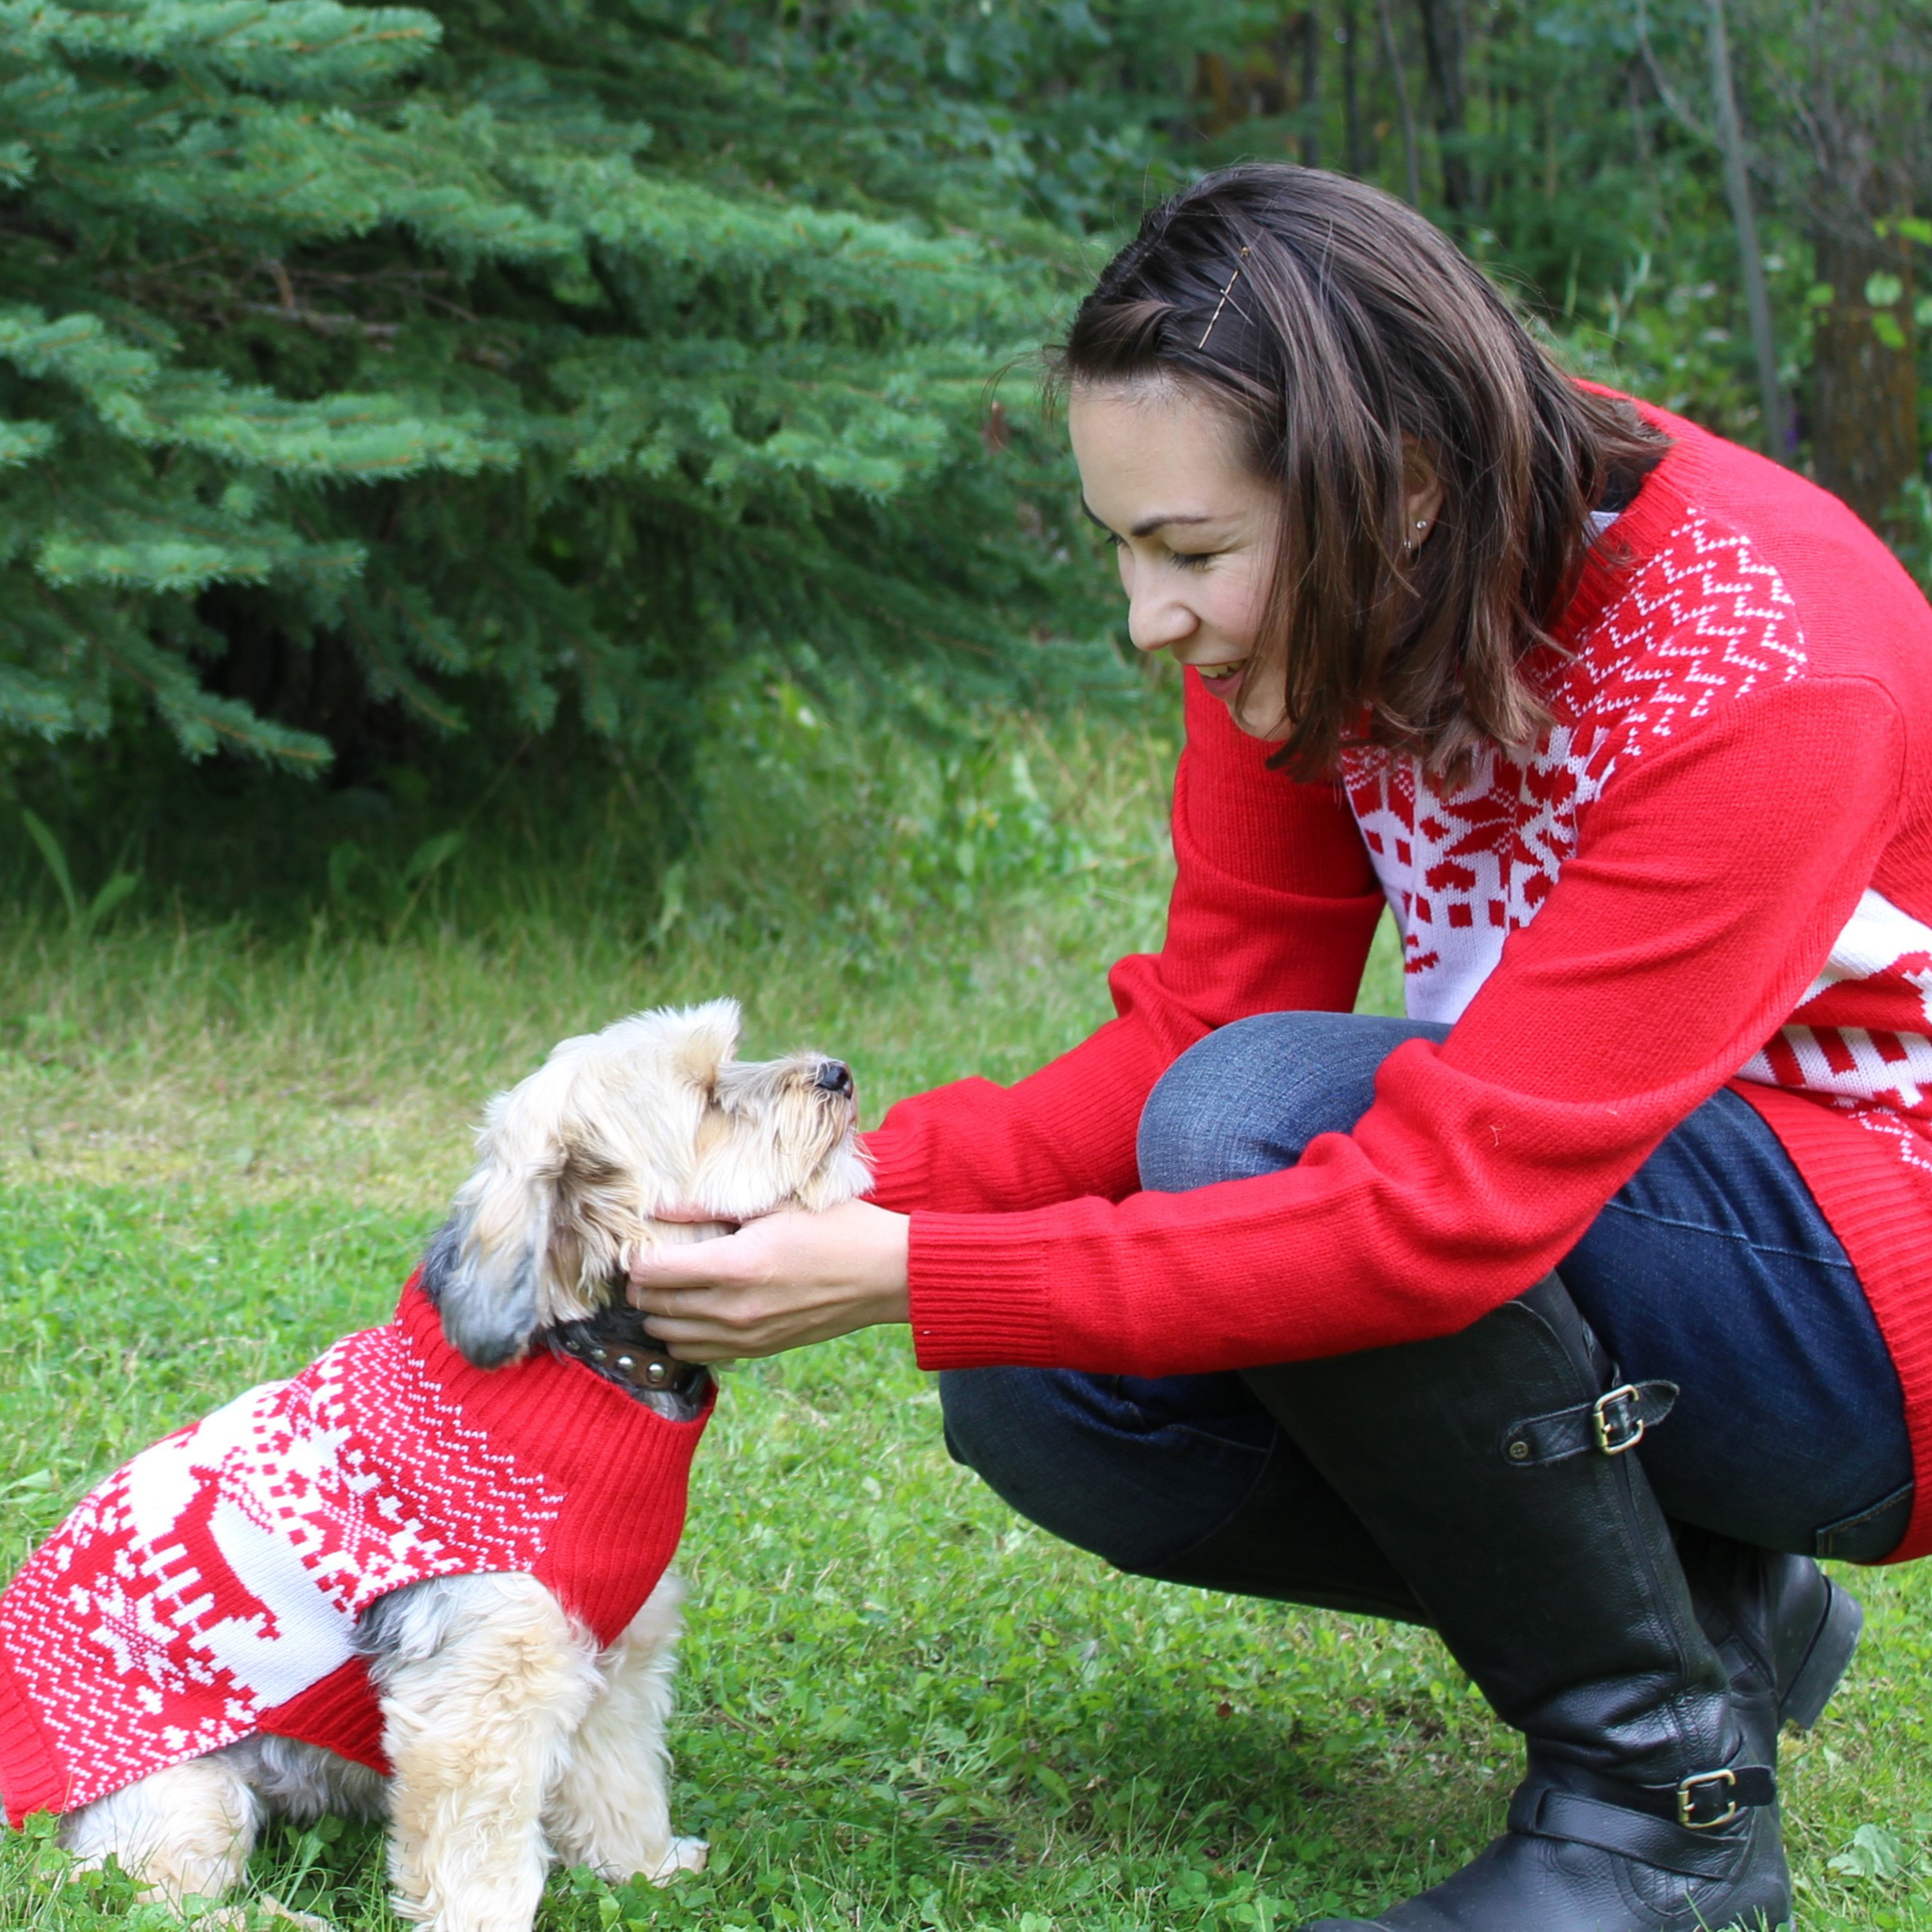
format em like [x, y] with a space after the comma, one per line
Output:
[1193, 559]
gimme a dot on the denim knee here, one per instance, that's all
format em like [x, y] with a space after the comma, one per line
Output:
[1023, 1432]
[979, 1410]
[1249, 1098]
[1133, 1469]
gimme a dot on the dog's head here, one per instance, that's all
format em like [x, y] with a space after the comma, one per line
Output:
[578, 1161]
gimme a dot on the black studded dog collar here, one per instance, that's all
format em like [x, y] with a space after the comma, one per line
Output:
[616, 1345]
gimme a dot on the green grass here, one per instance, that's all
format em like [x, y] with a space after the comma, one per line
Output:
[900, 1707]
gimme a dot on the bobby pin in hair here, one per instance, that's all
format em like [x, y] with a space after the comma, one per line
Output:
[1223, 303]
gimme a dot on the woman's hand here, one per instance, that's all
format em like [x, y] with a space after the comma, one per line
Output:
[781, 1281]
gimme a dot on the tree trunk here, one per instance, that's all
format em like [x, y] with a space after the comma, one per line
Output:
[1399, 81]
[1771, 402]
[1351, 93]
[1442, 51]
[1311, 88]
[1864, 372]
[1643, 146]
[1214, 92]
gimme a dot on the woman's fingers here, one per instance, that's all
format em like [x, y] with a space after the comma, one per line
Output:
[688, 1211]
[780, 1282]
[700, 1302]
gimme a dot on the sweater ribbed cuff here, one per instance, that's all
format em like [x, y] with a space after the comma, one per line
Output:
[30, 1776]
[978, 1292]
[339, 1712]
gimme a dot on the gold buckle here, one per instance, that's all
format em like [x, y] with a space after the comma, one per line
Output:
[1616, 1446]
[1686, 1797]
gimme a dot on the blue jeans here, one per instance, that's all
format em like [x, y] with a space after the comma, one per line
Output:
[1712, 1268]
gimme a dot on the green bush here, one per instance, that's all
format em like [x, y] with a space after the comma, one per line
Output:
[364, 368]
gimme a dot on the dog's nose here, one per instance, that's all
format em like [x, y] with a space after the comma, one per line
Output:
[835, 1076]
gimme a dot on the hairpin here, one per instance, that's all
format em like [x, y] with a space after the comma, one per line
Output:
[1223, 303]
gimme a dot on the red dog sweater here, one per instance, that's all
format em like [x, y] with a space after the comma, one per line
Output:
[210, 1588]
[1714, 866]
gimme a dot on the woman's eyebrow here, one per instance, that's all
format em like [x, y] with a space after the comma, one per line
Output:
[1147, 525]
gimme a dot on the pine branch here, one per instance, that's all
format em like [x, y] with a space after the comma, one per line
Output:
[531, 361]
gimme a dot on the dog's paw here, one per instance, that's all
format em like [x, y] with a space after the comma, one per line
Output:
[265, 1912]
[280, 1915]
[686, 1854]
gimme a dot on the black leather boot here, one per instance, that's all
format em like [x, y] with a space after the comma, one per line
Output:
[1785, 1630]
[1295, 1540]
[1492, 1467]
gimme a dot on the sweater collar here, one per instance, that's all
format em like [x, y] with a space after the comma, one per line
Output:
[555, 1413]
[1659, 506]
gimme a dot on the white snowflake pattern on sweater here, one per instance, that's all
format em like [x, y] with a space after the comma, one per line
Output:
[1703, 622]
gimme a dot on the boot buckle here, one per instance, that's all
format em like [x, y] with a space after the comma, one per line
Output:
[1617, 1418]
[1698, 1796]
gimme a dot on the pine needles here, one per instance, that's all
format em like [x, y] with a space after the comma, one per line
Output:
[412, 335]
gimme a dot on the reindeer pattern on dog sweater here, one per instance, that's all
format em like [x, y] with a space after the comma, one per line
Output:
[208, 1589]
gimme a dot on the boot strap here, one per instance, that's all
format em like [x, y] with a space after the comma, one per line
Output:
[1648, 1822]
[1708, 1799]
[1616, 1420]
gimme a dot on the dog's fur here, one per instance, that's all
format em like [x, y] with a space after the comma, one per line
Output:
[512, 1739]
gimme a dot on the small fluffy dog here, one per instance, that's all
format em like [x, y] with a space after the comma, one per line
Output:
[426, 1576]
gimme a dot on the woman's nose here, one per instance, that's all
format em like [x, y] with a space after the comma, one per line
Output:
[1155, 622]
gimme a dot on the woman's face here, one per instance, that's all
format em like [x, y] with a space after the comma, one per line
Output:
[1195, 531]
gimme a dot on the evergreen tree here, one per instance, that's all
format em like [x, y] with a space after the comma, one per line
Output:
[366, 361]
[532, 349]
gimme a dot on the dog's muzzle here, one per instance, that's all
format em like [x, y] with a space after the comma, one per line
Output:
[616, 1343]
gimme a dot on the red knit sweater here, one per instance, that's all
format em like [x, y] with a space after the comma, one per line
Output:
[1716, 867]
[210, 1588]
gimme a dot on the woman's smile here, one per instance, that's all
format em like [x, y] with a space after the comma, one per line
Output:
[1221, 678]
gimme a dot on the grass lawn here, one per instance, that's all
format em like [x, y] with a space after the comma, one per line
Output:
[900, 1707]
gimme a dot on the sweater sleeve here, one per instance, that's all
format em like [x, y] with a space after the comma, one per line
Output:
[1273, 907]
[1706, 891]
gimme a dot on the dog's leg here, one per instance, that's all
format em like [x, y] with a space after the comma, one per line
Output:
[183, 1832]
[483, 1681]
[612, 1810]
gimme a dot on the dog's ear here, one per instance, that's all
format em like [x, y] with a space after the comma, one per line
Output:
[482, 1268]
[440, 1260]
[710, 1041]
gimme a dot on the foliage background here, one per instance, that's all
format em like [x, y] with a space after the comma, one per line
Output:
[405, 409]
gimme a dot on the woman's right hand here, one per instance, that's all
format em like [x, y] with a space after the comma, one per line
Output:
[784, 1280]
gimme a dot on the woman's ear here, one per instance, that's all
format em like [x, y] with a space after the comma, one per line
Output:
[1423, 496]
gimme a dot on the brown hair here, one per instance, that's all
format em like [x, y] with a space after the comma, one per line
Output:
[1353, 331]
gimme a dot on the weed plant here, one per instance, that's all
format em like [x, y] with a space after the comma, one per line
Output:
[900, 1707]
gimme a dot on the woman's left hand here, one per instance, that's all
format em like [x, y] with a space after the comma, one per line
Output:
[780, 1282]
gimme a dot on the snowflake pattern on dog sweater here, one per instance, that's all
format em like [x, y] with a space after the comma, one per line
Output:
[210, 1588]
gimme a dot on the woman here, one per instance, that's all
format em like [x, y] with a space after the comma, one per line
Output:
[1628, 728]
